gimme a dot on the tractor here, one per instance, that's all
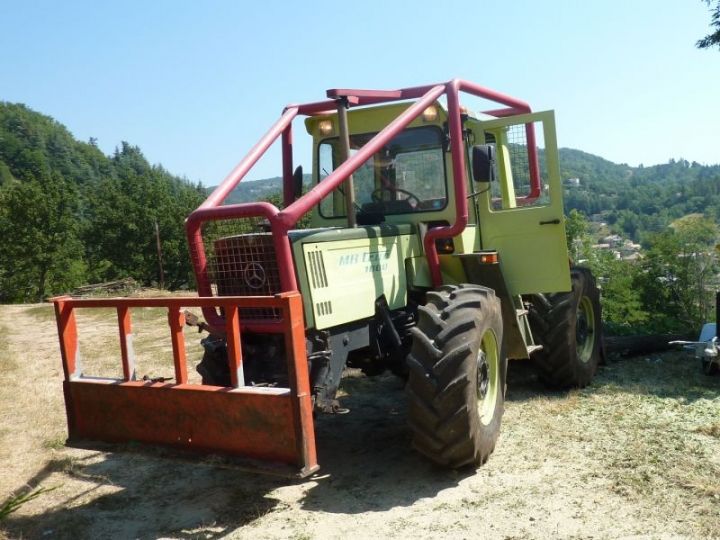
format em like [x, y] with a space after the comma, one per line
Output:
[433, 247]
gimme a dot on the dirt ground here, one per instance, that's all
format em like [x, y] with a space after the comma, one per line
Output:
[635, 455]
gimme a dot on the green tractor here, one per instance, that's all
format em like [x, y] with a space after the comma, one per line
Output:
[435, 249]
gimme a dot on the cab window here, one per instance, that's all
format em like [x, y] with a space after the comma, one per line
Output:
[406, 175]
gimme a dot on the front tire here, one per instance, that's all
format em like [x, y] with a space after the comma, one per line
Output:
[214, 368]
[569, 328]
[456, 384]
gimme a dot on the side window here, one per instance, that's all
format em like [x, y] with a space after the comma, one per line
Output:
[521, 173]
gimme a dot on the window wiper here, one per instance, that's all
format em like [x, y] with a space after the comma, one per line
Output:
[357, 206]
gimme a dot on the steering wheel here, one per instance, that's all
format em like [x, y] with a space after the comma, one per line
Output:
[377, 197]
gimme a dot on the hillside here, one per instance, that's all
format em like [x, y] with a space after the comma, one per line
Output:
[72, 215]
[637, 201]
[258, 190]
[634, 201]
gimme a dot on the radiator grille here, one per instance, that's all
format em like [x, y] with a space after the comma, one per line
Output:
[242, 264]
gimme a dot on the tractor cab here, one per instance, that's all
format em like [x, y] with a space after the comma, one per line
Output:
[405, 181]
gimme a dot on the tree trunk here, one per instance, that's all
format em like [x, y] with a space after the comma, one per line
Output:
[632, 345]
[42, 282]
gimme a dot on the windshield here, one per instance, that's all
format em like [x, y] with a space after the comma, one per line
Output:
[406, 175]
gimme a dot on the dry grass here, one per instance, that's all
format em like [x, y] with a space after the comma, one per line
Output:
[100, 346]
[635, 454]
[712, 430]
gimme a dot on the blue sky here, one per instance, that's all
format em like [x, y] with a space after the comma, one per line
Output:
[195, 84]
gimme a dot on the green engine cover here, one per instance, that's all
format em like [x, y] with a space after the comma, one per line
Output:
[343, 271]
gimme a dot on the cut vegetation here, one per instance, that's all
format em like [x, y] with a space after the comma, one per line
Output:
[635, 453]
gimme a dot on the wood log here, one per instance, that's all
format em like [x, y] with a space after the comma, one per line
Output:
[108, 286]
[632, 345]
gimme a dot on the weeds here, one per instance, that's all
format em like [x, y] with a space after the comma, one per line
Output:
[56, 443]
[712, 430]
[641, 443]
[14, 502]
[42, 312]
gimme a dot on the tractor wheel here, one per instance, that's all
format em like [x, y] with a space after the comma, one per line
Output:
[456, 383]
[710, 367]
[568, 326]
[214, 365]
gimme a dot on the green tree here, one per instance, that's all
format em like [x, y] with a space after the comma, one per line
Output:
[122, 211]
[712, 38]
[623, 311]
[576, 235]
[678, 275]
[622, 304]
[42, 254]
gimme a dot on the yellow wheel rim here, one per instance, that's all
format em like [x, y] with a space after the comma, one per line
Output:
[585, 329]
[488, 377]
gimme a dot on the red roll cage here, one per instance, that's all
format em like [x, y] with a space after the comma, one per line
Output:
[282, 221]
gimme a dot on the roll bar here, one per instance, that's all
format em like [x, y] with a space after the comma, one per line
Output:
[281, 221]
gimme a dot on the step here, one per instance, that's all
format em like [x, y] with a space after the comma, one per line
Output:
[532, 348]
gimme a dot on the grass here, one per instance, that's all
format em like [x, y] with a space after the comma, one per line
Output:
[99, 342]
[14, 502]
[42, 312]
[100, 347]
[7, 361]
[647, 426]
[711, 430]
[642, 440]
[55, 443]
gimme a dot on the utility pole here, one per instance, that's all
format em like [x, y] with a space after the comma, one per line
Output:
[159, 253]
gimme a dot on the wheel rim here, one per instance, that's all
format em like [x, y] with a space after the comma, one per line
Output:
[488, 377]
[585, 329]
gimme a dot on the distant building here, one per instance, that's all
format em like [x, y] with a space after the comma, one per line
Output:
[572, 182]
[613, 240]
[632, 257]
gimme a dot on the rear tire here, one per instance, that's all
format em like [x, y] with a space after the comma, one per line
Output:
[710, 368]
[456, 383]
[568, 326]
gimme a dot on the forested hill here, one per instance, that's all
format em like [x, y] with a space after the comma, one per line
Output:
[72, 215]
[639, 200]
[635, 201]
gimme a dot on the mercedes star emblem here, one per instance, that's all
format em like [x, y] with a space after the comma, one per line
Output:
[254, 275]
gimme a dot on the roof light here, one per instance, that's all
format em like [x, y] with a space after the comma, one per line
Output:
[325, 127]
[430, 114]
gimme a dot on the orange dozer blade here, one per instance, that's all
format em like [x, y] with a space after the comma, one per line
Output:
[252, 423]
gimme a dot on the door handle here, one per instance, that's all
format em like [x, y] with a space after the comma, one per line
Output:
[555, 221]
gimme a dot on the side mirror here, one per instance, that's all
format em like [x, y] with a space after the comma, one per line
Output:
[297, 182]
[483, 163]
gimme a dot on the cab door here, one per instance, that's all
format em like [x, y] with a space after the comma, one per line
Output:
[526, 228]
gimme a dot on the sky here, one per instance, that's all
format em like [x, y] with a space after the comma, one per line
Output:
[196, 84]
